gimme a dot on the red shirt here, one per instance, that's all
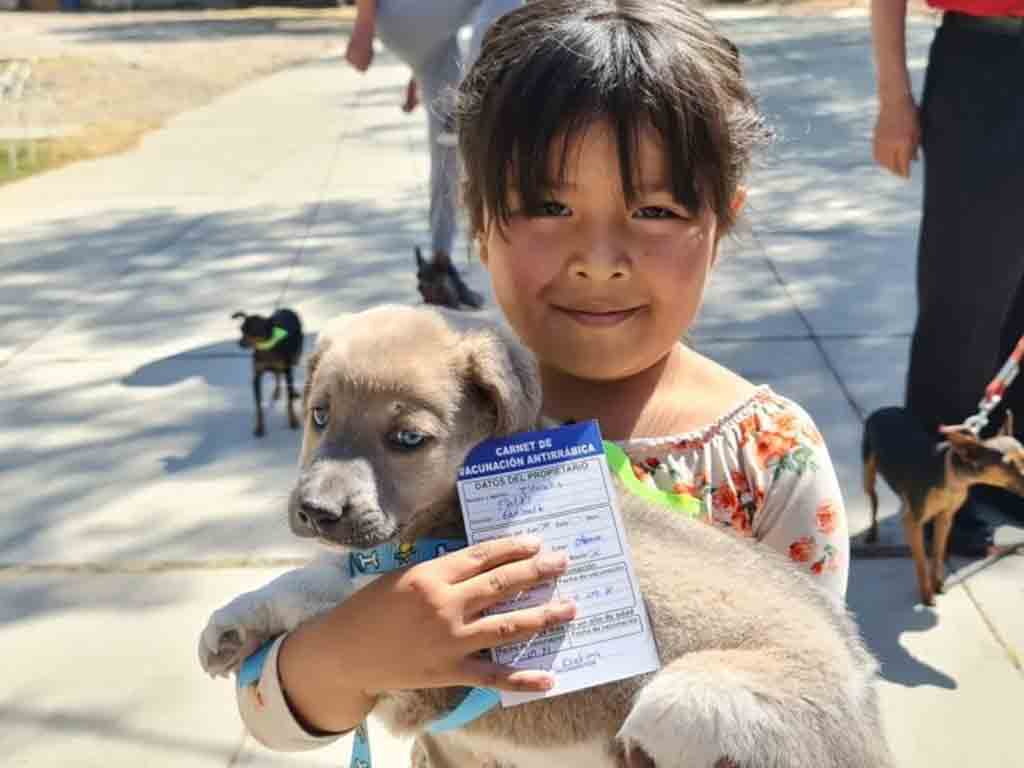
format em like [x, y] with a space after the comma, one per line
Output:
[981, 7]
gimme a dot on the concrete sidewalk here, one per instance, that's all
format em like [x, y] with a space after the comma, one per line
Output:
[135, 499]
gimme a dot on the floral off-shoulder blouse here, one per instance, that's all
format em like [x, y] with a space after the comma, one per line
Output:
[764, 472]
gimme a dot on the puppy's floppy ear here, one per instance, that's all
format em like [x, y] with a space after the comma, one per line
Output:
[507, 373]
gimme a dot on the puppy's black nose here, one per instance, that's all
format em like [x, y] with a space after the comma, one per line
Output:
[318, 517]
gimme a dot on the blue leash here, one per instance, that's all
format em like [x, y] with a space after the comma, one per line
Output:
[384, 559]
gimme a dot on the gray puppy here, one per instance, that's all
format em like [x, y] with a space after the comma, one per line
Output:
[758, 664]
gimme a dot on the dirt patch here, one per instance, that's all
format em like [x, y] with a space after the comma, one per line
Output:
[101, 80]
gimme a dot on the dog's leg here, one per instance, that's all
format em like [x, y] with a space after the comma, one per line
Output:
[257, 392]
[940, 540]
[293, 421]
[913, 530]
[276, 394]
[870, 474]
[237, 629]
[757, 709]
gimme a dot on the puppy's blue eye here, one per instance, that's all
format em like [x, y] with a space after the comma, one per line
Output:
[408, 439]
[320, 416]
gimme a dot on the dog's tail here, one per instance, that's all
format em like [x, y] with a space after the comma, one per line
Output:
[869, 461]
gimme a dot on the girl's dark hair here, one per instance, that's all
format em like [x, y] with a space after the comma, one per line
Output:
[550, 69]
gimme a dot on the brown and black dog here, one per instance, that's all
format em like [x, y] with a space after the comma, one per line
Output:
[276, 344]
[932, 480]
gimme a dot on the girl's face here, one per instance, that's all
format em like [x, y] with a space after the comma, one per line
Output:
[596, 288]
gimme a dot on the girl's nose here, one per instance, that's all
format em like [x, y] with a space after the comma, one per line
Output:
[601, 261]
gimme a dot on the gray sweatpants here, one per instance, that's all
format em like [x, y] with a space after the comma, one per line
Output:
[423, 34]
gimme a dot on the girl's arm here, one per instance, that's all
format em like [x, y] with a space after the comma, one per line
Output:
[802, 513]
[324, 678]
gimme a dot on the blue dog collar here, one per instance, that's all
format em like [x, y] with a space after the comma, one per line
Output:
[384, 559]
[390, 557]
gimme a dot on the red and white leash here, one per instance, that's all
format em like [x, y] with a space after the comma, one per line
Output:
[993, 392]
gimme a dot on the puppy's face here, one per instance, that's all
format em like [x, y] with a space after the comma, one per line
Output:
[255, 329]
[394, 401]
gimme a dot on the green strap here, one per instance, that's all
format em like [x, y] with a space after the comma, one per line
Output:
[276, 336]
[622, 468]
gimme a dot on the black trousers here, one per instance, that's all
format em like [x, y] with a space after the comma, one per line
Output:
[971, 248]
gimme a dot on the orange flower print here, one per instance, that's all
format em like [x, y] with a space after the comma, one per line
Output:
[741, 522]
[785, 423]
[772, 446]
[829, 561]
[725, 498]
[640, 471]
[685, 446]
[747, 428]
[811, 433]
[802, 550]
[739, 482]
[827, 516]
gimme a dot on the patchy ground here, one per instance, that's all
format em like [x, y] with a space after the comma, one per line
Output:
[101, 80]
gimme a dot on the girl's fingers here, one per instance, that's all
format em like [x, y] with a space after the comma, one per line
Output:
[472, 561]
[502, 583]
[478, 672]
[517, 626]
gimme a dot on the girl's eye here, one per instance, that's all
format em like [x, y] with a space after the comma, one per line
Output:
[655, 212]
[320, 416]
[408, 439]
[549, 208]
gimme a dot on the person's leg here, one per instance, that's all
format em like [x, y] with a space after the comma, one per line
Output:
[424, 35]
[969, 266]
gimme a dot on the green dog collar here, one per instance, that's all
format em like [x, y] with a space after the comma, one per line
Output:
[276, 336]
[622, 468]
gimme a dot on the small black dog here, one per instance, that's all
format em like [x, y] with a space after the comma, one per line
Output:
[276, 344]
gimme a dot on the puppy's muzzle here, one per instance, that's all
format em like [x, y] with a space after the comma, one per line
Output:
[336, 501]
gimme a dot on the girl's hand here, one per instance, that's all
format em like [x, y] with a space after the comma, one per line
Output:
[359, 52]
[897, 135]
[421, 628]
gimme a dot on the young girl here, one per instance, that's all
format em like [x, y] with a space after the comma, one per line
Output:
[604, 143]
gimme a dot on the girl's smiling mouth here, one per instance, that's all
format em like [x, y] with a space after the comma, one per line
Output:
[600, 318]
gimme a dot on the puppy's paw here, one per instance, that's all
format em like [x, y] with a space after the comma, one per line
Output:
[677, 722]
[225, 643]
